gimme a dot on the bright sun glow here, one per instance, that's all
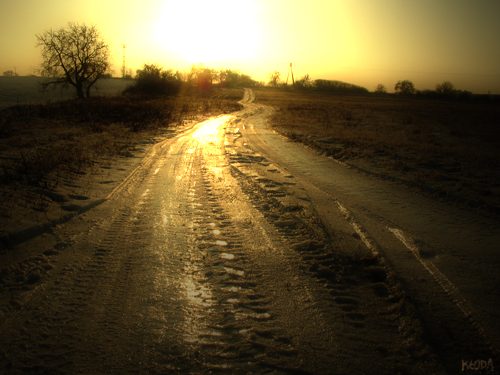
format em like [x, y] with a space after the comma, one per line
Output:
[208, 31]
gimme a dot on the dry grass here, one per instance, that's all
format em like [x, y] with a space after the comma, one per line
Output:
[447, 148]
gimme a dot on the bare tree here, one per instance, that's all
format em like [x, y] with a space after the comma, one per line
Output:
[445, 88]
[10, 73]
[304, 82]
[75, 56]
[380, 89]
[274, 79]
[404, 87]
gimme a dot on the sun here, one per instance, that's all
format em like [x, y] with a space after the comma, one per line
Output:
[208, 31]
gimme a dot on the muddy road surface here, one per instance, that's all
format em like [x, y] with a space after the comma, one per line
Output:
[230, 250]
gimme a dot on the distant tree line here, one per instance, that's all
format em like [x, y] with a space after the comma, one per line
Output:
[10, 73]
[323, 85]
[445, 90]
[154, 80]
[405, 88]
[338, 87]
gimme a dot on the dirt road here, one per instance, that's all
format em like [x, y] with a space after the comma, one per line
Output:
[231, 250]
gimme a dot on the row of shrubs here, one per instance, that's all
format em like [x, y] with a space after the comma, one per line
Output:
[152, 80]
[445, 90]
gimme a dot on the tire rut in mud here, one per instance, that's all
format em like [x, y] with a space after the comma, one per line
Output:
[228, 325]
[84, 315]
[455, 329]
[59, 326]
[362, 291]
[234, 274]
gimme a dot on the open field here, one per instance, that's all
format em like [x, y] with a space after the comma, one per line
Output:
[447, 149]
[56, 158]
[26, 90]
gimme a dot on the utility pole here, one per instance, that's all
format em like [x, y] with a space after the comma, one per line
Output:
[290, 70]
[123, 67]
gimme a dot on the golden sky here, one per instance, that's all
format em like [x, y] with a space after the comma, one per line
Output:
[364, 42]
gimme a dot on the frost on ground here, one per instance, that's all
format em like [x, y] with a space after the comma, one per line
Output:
[222, 248]
[446, 149]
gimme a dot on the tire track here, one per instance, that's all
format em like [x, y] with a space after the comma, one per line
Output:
[74, 321]
[210, 258]
[363, 288]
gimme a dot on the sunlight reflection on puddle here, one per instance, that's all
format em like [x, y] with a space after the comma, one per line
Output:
[221, 243]
[226, 256]
[197, 294]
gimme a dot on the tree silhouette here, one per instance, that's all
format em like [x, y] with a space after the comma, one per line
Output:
[304, 82]
[380, 89]
[445, 88]
[153, 80]
[75, 56]
[404, 87]
[274, 79]
[10, 73]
